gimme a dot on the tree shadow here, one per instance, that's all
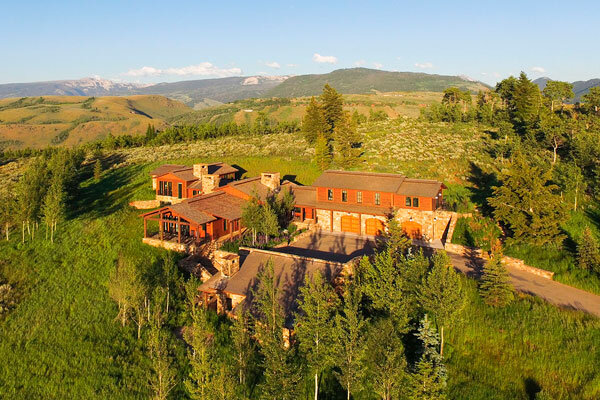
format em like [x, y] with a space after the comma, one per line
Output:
[532, 388]
[483, 183]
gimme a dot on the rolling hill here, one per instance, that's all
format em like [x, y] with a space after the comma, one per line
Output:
[579, 87]
[365, 80]
[42, 121]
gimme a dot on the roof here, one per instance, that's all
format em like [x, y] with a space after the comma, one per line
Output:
[420, 188]
[371, 181]
[165, 169]
[220, 168]
[191, 213]
[219, 204]
[186, 174]
[254, 187]
[290, 272]
[305, 195]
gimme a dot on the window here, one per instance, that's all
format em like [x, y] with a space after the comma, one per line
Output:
[415, 202]
[161, 186]
[377, 199]
[408, 202]
[344, 196]
[359, 197]
[330, 194]
[179, 190]
[169, 188]
[225, 225]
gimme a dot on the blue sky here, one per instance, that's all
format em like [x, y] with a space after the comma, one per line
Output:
[148, 41]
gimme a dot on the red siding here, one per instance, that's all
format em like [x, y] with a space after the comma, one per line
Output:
[185, 193]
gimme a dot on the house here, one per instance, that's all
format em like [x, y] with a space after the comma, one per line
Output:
[362, 202]
[174, 183]
[207, 217]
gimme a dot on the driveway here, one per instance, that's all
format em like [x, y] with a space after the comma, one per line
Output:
[554, 292]
[339, 247]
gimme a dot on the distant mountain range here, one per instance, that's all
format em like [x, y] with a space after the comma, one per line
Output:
[207, 92]
[579, 87]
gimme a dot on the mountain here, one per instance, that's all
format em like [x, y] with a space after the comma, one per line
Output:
[579, 87]
[38, 122]
[208, 92]
[78, 87]
[365, 80]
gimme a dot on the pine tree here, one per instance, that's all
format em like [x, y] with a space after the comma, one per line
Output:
[314, 322]
[386, 361]
[443, 294]
[150, 133]
[495, 286]
[350, 341]
[97, 170]
[313, 123]
[347, 142]
[527, 203]
[323, 154]
[588, 254]
[395, 239]
[282, 374]
[429, 378]
[332, 106]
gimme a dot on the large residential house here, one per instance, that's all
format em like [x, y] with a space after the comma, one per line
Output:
[362, 202]
[174, 183]
[211, 216]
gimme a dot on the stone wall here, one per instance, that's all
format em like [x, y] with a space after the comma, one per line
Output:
[510, 262]
[168, 199]
[438, 224]
[169, 245]
[324, 219]
[145, 204]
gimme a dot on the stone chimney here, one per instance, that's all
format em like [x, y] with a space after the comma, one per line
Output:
[228, 263]
[270, 179]
[210, 183]
[200, 169]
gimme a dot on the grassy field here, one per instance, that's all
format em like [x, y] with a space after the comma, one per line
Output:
[62, 340]
[50, 120]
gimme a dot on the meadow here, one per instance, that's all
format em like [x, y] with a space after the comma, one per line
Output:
[63, 341]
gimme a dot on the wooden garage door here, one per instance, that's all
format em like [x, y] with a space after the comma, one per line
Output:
[412, 229]
[373, 226]
[350, 224]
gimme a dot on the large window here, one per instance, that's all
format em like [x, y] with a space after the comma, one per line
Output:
[165, 188]
[179, 190]
[344, 196]
[415, 202]
[377, 199]
[359, 197]
[408, 202]
[330, 194]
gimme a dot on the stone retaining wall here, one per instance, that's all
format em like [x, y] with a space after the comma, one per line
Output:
[145, 204]
[508, 261]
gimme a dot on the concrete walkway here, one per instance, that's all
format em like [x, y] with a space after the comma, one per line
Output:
[554, 292]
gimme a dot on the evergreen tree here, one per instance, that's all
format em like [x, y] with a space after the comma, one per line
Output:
[332, 106]
[54, 206]
[314, 324]
[323, 154]
[282, 373]
[97, 170]
[350, 342]
[429, 378]
[395, 239]
[443, 294]
[526, 203]
[525, 107]
[495, 286]
[386, 361]
[557, 91]
[588, 254]
[347, 142]
[313, 123]
[150, 133]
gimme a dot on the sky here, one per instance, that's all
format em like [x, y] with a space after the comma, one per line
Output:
[160, 41]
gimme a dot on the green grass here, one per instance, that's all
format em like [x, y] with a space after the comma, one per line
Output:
[62, 340]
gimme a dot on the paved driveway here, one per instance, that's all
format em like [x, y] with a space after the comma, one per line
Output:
[340, 247]
[554, 292]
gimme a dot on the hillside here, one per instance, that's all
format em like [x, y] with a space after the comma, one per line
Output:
[42, 121]
[73, 87]
[579, 87]
[246, 111]
[364, 80]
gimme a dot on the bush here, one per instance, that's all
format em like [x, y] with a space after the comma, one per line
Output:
[476, 231]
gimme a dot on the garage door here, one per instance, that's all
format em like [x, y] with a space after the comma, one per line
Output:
[412, 229]
[373, 226]
[350, 224]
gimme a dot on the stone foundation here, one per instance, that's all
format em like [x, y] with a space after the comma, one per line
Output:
[324, 219]
[435, 225]
[168, 199]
